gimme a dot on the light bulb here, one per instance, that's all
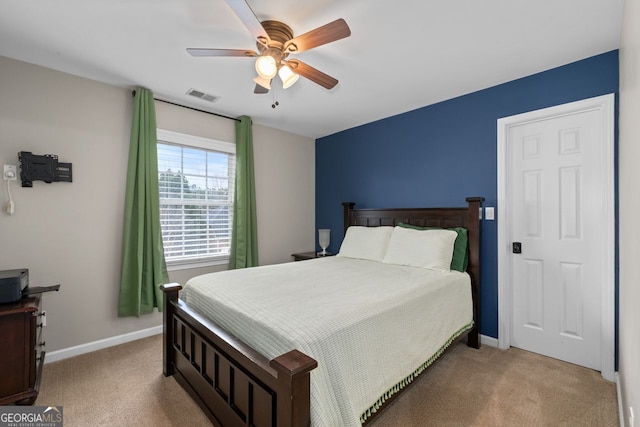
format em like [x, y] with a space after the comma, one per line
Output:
[266, 66]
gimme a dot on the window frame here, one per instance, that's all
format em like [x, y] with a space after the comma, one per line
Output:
[164, 136]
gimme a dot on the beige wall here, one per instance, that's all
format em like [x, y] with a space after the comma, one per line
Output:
[70, 233]
[629, 196]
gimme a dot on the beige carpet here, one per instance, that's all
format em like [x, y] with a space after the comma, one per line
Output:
[124, 386]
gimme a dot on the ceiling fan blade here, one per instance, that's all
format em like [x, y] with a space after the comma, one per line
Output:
[260, 90]
[221, 52]
[249, 19]
[312, 74]
[328, 33]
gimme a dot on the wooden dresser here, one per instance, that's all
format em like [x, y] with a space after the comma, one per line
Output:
[21, 350]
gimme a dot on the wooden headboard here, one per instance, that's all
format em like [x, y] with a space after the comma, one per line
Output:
[467, 217]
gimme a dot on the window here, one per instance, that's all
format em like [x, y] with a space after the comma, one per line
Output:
[196, 182]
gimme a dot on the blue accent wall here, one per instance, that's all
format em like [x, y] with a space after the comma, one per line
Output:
[440, 154]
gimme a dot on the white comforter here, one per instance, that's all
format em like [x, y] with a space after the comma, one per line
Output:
[369, 325]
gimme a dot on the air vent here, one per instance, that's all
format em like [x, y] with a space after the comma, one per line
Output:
[202, 95]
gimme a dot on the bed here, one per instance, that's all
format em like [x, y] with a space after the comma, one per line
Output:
[256, 385]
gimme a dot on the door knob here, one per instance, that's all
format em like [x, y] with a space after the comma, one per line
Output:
[516, 247]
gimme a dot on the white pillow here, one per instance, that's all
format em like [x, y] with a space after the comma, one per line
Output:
[365, 242]
[421, 248]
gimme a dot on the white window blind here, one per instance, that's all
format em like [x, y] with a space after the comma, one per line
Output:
[196, 183]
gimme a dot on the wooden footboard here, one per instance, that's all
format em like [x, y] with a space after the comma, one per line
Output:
[232, 383]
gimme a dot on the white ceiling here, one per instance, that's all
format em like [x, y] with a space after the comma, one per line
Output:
[401, 55]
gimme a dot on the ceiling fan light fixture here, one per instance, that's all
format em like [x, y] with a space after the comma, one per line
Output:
[287, 76]
[266, 66]
[265, 83]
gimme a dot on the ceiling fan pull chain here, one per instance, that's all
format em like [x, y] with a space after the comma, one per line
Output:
[275, 97]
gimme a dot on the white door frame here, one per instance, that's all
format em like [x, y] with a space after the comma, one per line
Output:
[605, 105]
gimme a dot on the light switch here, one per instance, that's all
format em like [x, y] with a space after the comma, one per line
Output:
[489, 214]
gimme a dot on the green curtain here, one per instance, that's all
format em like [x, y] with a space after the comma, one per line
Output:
[143, 265]
[244, 235]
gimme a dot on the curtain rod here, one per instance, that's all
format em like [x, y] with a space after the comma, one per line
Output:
[133, 93]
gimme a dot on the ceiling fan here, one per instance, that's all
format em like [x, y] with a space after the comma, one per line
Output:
[275, 41]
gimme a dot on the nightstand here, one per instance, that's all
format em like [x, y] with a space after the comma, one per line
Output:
[301, 256]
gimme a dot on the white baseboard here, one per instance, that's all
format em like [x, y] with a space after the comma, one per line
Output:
[77, 350]
[488, 341]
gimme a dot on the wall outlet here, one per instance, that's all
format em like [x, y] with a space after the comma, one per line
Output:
[10, 172]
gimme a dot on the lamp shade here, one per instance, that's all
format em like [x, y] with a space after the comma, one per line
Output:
[324, 239]
[266, 66]
[265, 83]
[287, 76]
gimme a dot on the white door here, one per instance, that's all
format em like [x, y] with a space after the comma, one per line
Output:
[557, 182]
